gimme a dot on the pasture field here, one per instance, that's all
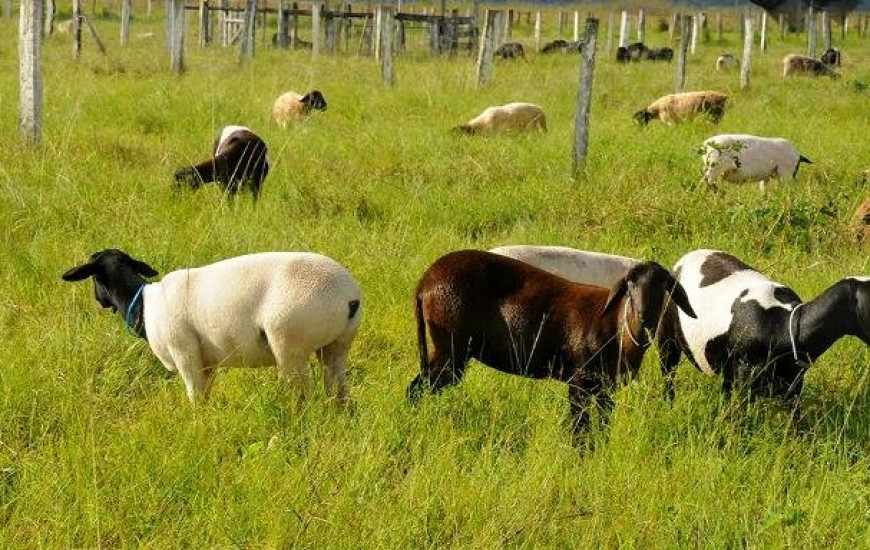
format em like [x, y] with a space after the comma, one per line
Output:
[99, 447]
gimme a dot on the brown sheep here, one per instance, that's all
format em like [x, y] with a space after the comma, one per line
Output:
[861, 221]
[794, 64]
[675, 108]
[522, 320]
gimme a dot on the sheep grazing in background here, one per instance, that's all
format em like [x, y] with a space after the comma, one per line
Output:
[861, 221]
[794, 65]
[675, 108]
[64, 27]
[518, 117]
[574, 47]
[637, 50]
[659, 54]
[239, 160]
[623, 55]
[522, 320]
[726, 61]
[831, 57]
[741, 158]
[146, 35]
[291, 107]
[511, 50]
[555, 46]
[274, 308]
[756, 332]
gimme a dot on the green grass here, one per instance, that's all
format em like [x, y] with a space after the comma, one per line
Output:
[98, 446]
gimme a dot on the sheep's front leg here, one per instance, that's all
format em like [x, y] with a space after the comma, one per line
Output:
[582, 394]
[197, 378]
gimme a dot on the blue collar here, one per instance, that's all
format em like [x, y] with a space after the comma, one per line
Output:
[129, 315]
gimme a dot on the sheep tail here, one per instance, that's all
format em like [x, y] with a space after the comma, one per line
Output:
[352, 308]
[421, 334]
[804, 159]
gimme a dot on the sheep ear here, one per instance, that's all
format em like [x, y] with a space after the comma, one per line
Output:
[305, 99]
[79, 273]
[616, 293]
[678, 293]
[143, 269]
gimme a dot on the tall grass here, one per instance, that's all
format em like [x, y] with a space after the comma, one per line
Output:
[98, 446]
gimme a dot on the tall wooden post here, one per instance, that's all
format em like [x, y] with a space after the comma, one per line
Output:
[493, 19]
[378, 14]
[204, 24]
[176, 41]
[76, 29]
[7, 9]
[680, 80]
[386, 44]
[508, 26]
[30, 72]
[641, 26]
[746, 63]
[248, 41]
[672, 27]
[561, 23]
[811, 32]
[584, 95]
[294, 26]
[696, 30]
[623, 30]
[611, 21]
[538, 31]
[283, 26]
[719, 30]
[126, 9]
[315, 28]
[781, 25]
[50, 10]
[576, 35]
[826, 30]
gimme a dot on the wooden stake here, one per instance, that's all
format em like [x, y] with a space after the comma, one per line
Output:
[493, 19]
[680, 81]
[30, 72]
[584, 95]
[746, 63]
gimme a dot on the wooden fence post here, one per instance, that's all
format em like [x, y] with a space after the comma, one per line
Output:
[538, 31]
[719, 29]
[561, 23]
[204, 24]
[249, 29]
[400, 37]
[611, 21]
[7, 9]
[294, 26]
[283, 26]
[493, 18]
[746, 62]
[50, 10]
[762, 45]
[176, 41]
[378, 28]
[641, 26]
[435, 35]
[576, 34]
[672, 27]
[126, 8]
[680, 81]
[584, 95]
[508, 26]
[826, 30]
[30, 72]
[623, 30]
[811, 32]
[696, 30]
[386, 44]
[76, 29]
[315, 28]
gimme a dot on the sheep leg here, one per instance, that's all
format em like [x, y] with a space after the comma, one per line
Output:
[293, 367]
[582, 393]
[669, 355]
[334, 360]
[443, 369]
[197, 379]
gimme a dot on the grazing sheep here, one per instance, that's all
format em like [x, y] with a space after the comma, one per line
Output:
[637, 50]
[740, 158]
[659, 54]
[605, 270]
[522, 320]
[726, 61]
[511, 50]
[274, 308]
[574, 47]
[555, 46]
[511, 117]
[793, 65]
[239, 159]
[623, 55]
[292, 107]
[64, 27]
[675, 108]
[757, 332]
[831, 57]
[861, 221]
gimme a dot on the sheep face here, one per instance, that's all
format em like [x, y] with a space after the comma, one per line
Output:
[643, 117]
[647, 286]
[314, 100]
[186, 177]
[116, 276]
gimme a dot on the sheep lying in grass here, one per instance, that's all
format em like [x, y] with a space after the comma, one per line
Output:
[675, 108]
[726, 61]
[295, 108]
[511, 117]
[275, 308]
[740, 158]
[793, 65]
[239, 159]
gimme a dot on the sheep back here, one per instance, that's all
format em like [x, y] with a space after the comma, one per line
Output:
[510, 117]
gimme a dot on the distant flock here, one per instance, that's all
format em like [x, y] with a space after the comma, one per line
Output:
[580, 317]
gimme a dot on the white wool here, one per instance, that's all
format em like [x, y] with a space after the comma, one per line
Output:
[288, 108]
[739, 158]
[712, 303]
[726, 61]
[226, 132]
[579, 266]
[512, 116]
[274, 308]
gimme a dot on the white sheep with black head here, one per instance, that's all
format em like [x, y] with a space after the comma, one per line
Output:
[757, 332]
[273, 308]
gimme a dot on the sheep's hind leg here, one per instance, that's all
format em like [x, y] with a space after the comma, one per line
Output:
[333, 357]
[293, 367]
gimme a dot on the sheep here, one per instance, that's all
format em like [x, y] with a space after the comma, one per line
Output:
[674, 108]
[605, 270]
[273, 308]
[726, 61]
[831, 57]
[623, 55]
[239, 159]
[794, 64]
[513, 116]
[861, 221]
[292, 107]
[637, 50]
[64, 27]
[555, 46]
[511, 50]
[659, 54]
[739, 158]
[757, 332]
[522, 320]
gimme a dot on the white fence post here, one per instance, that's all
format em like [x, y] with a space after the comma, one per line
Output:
[30, 71]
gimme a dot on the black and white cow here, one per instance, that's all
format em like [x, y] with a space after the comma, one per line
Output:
[757, 332]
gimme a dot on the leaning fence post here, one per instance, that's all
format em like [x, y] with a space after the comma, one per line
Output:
[538, 31]
[386, 44]
[126, 8]
[493, 18]
[680, 81]
[176, 40]
[641, 26]
[623, 30]
[746, 63]
[811, 32]
[30, 71]
[584, 95]
[76, 28]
